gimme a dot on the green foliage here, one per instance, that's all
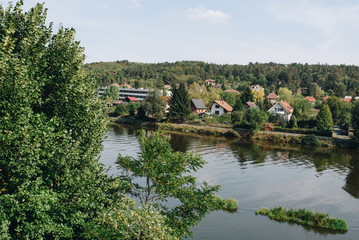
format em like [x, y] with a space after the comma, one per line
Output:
[324, 119]
[238, 106]
[304, 217]
[133, 108]
[247, 95]
[230, 97]
[355, 119]
[179, 104]
[310, 139]
[166, 175]
[112, 92]
[120, 109]
[303, 109]
[154, 106]
[230, 204]
[254, 119]
[341, 111]
[51, 128]
[293, 122]
[237, 117]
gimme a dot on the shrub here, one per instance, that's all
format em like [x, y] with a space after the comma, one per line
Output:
[310, 139]
[230, 204]
[120, 109]
[302, 216]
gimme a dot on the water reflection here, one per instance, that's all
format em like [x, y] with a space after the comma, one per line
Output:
[352, 179]
[263, 175]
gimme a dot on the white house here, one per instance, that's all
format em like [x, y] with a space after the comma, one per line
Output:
[220, 107]
[282, 108]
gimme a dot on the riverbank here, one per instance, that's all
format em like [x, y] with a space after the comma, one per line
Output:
[227, 131]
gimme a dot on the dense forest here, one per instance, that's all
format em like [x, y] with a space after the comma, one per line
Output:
[339, 80]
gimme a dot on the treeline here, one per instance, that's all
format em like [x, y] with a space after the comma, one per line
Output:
[339, 80]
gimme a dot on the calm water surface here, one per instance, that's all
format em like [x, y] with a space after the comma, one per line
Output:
[263, 175]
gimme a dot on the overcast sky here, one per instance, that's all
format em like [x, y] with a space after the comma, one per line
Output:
[214, 31]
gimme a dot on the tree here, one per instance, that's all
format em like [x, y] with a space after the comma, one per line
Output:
[286, 95]
[154, 106]
[303, 109]
[324, 119]
[247, 95]
[254, 119]
[112, 93]
[179, 104]
[166, 175]
[355, 119]
[51, 128]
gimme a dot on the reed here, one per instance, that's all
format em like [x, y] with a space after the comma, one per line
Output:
[302, 216]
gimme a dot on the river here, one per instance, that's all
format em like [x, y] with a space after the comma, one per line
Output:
[262, 175]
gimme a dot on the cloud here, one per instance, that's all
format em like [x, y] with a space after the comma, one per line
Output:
[327, 19]
[135, 4]
[212, 16]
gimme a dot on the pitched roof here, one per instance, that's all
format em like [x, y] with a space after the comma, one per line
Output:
[251, 104]
[133, 99]
[272, 95]
[286, 106]
[225, 105]
[167, 86]
[310, 99]
[231, 90]
[325, 98]
[347, 99]
[198, 103]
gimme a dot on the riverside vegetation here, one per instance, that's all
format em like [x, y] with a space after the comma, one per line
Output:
[302, 216]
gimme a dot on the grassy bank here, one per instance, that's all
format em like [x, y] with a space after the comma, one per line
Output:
[304, 217]
[226, 130]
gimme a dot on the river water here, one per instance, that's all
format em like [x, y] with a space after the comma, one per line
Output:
[262, 175]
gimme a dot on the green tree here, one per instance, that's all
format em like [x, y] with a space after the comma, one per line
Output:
[51, 128]
[166, 175]
[355, 119]
[247, 95]
[324, 119]
[237, 117]
[154, 106]
[238, 106]
[254, 119]
[112, 93]
[303, 109]
[179, 104]
[120, 109]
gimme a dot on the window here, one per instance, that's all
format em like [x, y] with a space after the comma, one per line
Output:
[216, 112]
[216, 106]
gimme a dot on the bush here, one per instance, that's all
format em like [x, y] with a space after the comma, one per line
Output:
[120, 109]
[304, 131]
[310, 139]
[304, 217]
[230, 204]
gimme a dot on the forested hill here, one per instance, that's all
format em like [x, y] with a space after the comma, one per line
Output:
[334, 79]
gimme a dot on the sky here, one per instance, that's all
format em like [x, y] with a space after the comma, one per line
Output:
[213, 31]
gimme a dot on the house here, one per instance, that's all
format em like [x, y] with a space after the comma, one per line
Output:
[130, 99]
[166, 100]
[311, 99]
[257, 88]
[272, 98]
[282, 108]
[210, 82]
[198, 106]
[167, 90]
[220, 107]
[248, 105]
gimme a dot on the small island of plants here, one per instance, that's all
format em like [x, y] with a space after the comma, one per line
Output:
[304, 217]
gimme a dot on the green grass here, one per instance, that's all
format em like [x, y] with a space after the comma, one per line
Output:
[302, 216]
[230, 204]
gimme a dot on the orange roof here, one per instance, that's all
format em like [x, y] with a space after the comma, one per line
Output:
[231, 90]
[272, 95]
[347, 99]
[167, 86]
[210, 80]
[325, 98]
[310, 99]
[225, 105]
[133, 99]
[286, 106]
